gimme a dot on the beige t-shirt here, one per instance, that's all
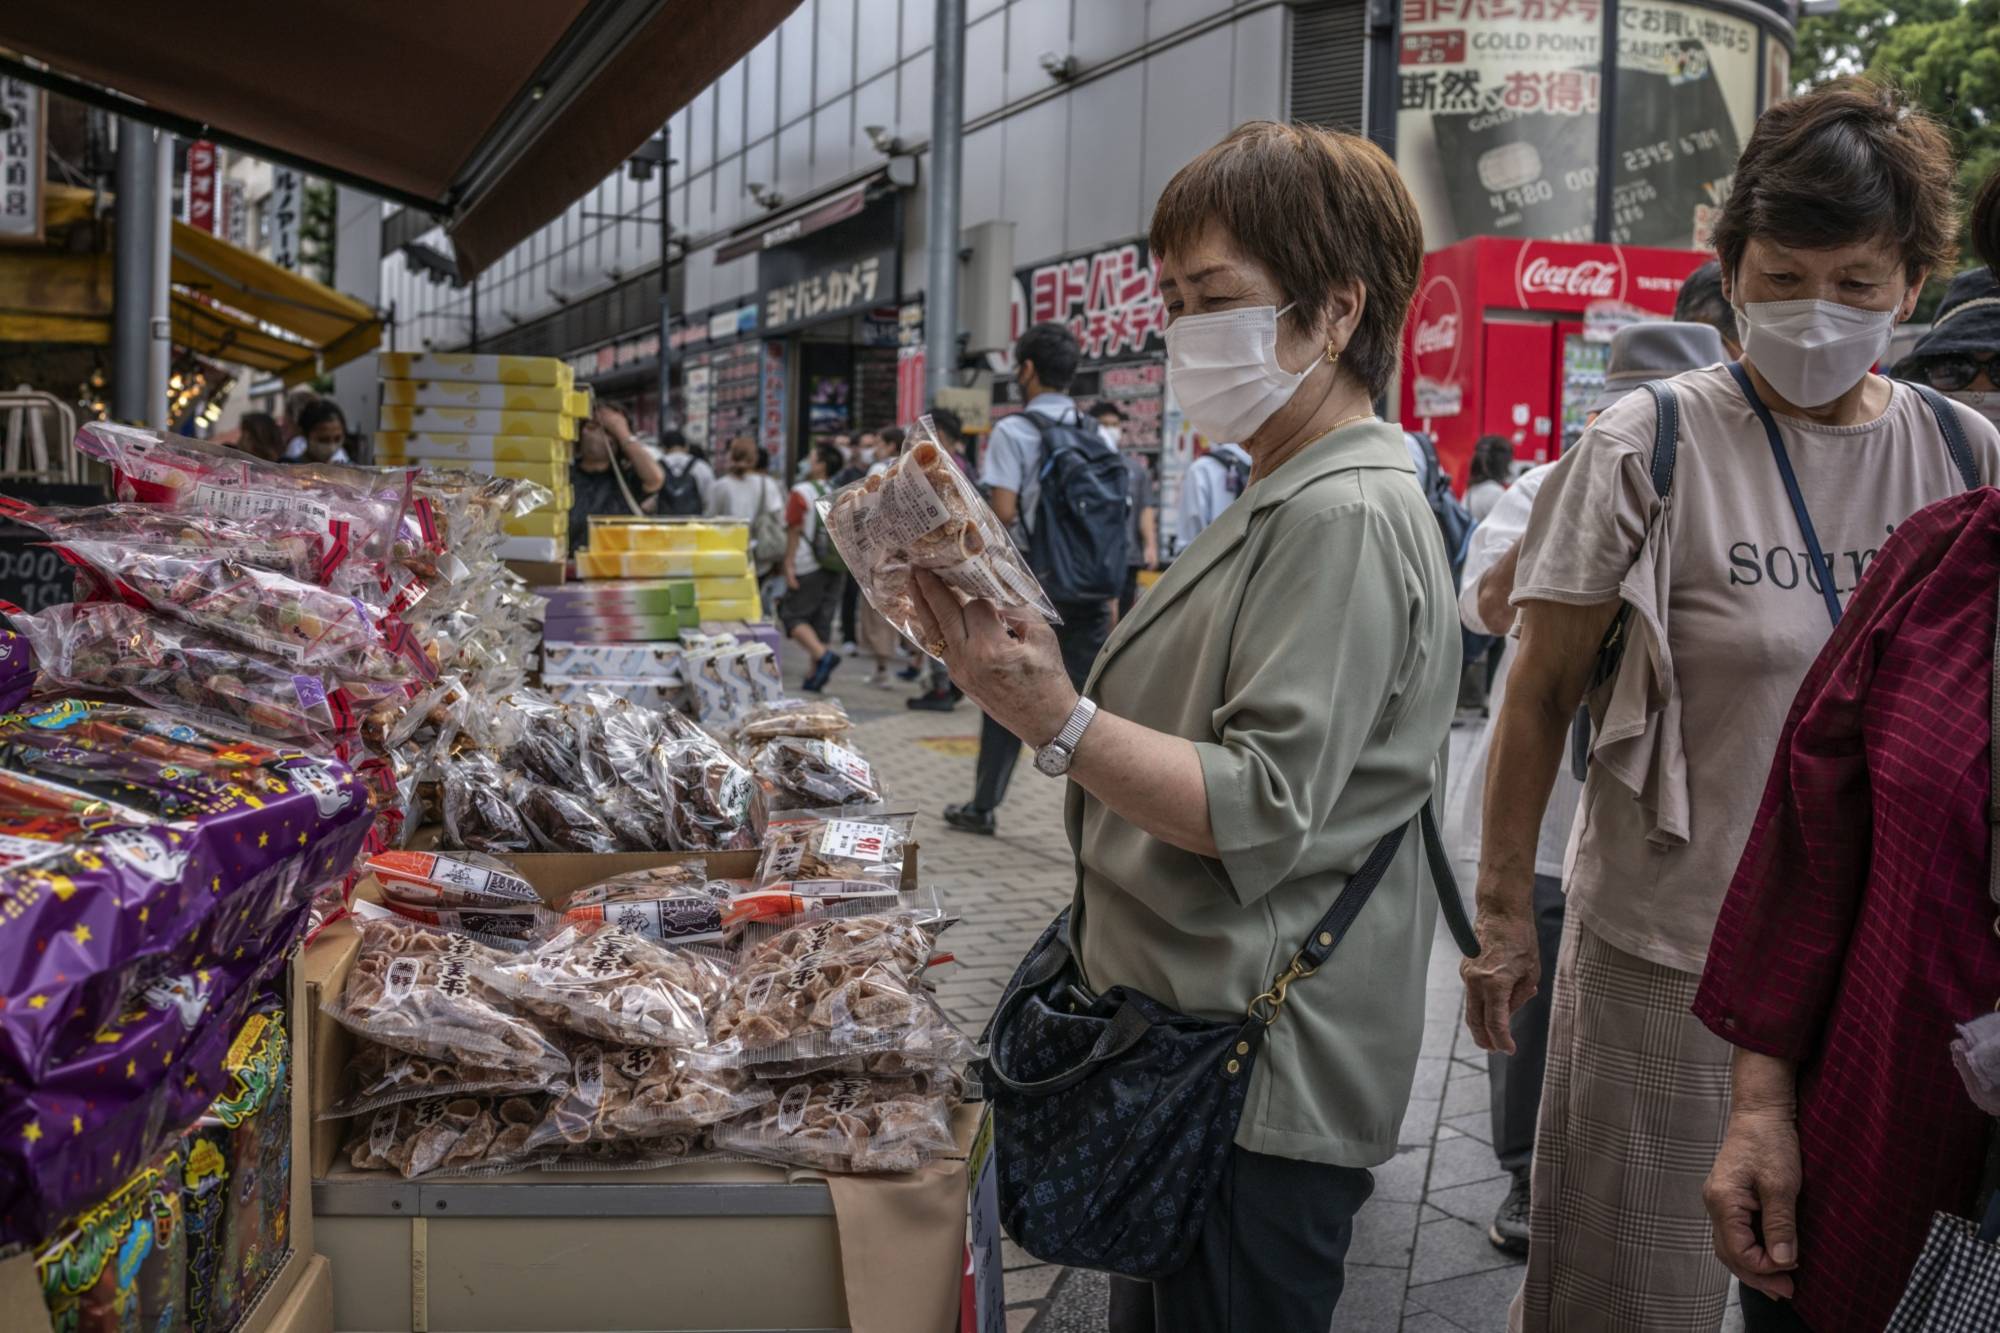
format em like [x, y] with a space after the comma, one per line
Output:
[1727, 618]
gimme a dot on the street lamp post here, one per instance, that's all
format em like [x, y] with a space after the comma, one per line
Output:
[947, 126]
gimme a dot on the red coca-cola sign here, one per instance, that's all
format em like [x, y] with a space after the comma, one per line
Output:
[1568, 275]
[1437, 333]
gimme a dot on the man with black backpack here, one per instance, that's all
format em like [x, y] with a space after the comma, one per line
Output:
[1061, 489]
[1211, 485]
[689, 479]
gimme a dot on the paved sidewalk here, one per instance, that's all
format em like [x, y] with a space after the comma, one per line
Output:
[1420, 1261]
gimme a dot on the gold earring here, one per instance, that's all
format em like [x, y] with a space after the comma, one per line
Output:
[1332, 357]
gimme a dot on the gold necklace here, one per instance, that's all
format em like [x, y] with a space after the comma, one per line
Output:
[1349, 421]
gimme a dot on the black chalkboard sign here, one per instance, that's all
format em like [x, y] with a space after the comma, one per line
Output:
[32, 576]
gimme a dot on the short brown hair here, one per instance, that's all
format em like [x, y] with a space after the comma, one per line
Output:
[1318, 208]
[1986, 222]
[1849, 162]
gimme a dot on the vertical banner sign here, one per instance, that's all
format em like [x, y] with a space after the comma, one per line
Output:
[203, 181]
[235, 218]
[771, 433]
[287, 200]
[1110, 299]
[23, 126]
[910, 362]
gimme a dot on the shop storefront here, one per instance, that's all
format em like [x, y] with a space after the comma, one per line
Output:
[1510, 338]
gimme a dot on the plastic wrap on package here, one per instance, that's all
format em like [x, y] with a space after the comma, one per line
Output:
[620, 1093]
[922, 513]
[615, 985]
[459, 1133]
[844, 1123]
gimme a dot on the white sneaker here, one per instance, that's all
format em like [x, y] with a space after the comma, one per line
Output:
[848, 649]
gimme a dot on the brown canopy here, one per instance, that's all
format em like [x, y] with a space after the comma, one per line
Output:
[495, 114]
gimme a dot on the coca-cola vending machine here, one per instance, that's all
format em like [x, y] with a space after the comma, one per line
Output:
[1510, 337]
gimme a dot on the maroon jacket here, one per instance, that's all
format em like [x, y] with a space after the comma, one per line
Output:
[1858, 929]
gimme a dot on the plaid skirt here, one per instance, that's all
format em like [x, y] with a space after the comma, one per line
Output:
[1634, 1104]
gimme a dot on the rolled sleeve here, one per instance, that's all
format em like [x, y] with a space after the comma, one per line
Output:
[1591, 517]
[1314, 662]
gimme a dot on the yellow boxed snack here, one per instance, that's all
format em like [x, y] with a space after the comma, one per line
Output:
[478, 421]
[740, 589]
[467, 393]
[545, 522]
[619, 533]
[426, 446]
[615, 564]
[555, 476]
[482, 368]
[752, 610]
[578, 403]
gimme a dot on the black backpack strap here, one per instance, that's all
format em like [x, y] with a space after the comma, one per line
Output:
[1666, 434]
[1955, 442]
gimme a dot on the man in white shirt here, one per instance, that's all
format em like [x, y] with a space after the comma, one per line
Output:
[1045, 361]
[1210, 485]
[689, 480]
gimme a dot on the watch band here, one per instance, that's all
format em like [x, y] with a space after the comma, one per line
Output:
[1073, 730]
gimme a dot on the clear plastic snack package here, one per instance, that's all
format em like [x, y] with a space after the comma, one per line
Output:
[419, 990]
[673, 905]
[799, 772]
[711, 799]
[300, 623]
[616, 1094]
[425, 879]
[821, 719]
[380, 1076]
[922, 513]
[564, 821]
[510, 929]
[480, 813]
[828, 987]
[614, 985]
[843, 1123]
[836, 844]
[270, 541]
[358, 507]
[461, 1133]
[171, 665]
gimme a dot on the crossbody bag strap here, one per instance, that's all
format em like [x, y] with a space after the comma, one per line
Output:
[1953, 430]
[1333, 927]
[1783, 460]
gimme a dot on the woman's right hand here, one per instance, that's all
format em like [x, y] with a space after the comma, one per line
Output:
[791, 579]
[1753, 1188]
[1504, 975]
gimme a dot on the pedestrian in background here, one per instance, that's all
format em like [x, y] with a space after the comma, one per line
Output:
[1841, 205]
[1143, 536]
[259, 436]
[1209, 486]
[296, 403]
[746, 492]
[861, 454]
[812, 590]
[323, 426]
[1489, 474]
[1701, 302]
[613, 473]
[1271, 710]
[875, 635]
[1045, 360]
[1959, 355]
[1486, 585]
[687, 481]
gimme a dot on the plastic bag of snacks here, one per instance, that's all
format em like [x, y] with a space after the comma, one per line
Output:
[802, 845]
[619, 1093]
[671, 904]
[922, 513]
[711, 799]
[162, 662]
[830, 987]
[814, 772]
[124, 1264]
[473, 894]
[822, 719]
[379, 1076]
[447, 1134]
[614, 985]
[851, 1124]
[295, 622]
[359, 509]
[277, 541]
[480, 813]
[420, 991]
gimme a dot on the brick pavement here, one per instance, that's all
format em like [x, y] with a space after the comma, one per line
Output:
[1419, 1263]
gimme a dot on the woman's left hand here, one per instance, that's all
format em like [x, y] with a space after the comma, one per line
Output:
[1007, 660]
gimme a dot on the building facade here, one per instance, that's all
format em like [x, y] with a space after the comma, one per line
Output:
[796, 197]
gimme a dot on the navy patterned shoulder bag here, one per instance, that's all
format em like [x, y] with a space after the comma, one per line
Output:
[1113, 1114]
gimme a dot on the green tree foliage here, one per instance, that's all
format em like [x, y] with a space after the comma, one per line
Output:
[318, 225]
[1945, 53]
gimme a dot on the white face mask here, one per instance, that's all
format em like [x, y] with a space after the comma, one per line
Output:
[1114, 434]
[1985, 402]
[1224, 372]
[1813, 351]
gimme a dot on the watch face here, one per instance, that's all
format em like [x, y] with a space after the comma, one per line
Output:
[1052, 760]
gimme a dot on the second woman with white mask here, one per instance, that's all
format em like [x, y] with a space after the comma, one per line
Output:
[1789, 469]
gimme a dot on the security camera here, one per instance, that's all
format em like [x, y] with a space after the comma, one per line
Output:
[765, 196]
[885, 143]
[1060, 68]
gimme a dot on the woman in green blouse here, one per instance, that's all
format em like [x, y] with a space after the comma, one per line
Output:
[1272, 707]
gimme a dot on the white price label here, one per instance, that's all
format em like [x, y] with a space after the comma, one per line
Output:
[847, 763]
[855, 840]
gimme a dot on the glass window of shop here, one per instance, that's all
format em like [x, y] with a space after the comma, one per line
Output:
[1497, 130]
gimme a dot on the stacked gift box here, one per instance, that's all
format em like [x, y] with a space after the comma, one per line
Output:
[660, 576]
[504, 416]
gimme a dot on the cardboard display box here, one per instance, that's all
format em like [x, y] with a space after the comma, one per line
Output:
[397, 446]
[480, 368]
[23, 1311]
[705, 1246]
[471, 393]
